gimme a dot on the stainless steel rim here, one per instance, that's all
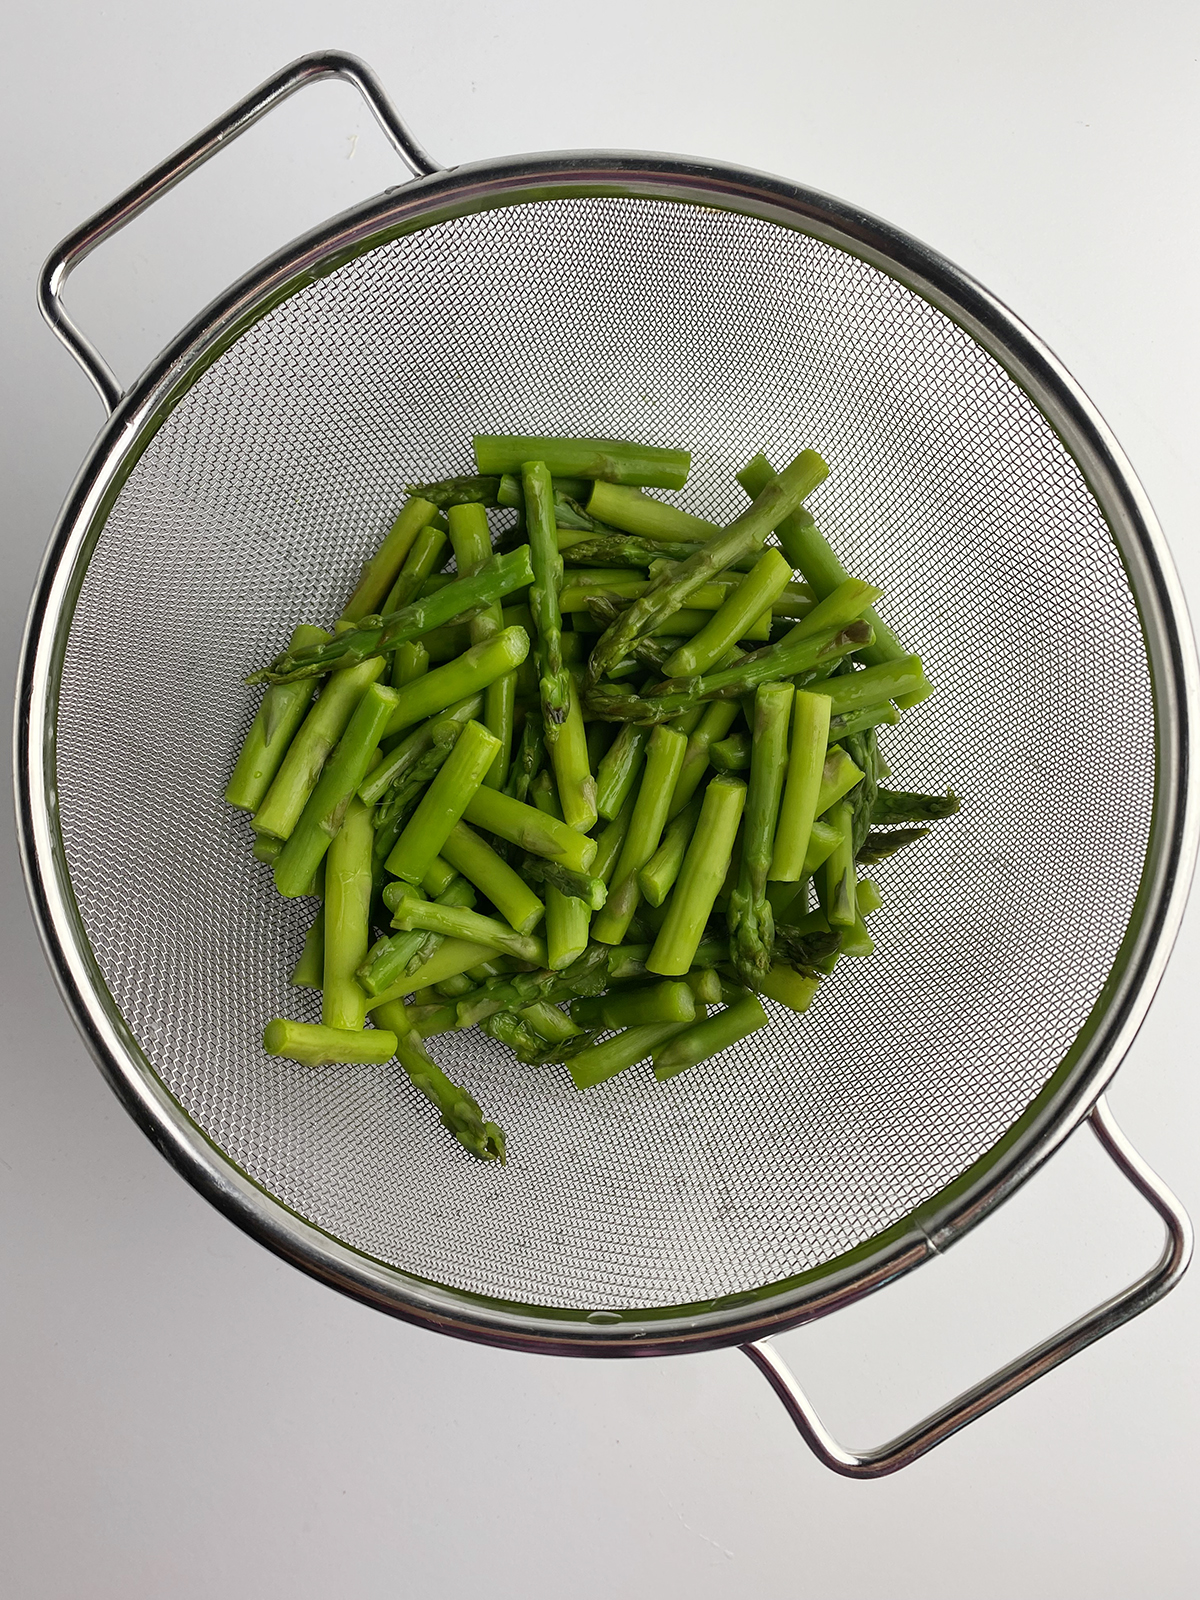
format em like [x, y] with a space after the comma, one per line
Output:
[1082, 1075]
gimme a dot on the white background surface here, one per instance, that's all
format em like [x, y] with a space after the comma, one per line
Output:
[183, 1415]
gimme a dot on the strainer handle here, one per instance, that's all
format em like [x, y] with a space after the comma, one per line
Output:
[304, 70]
[906, 1447]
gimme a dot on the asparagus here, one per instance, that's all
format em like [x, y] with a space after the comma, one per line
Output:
[839, 774]
[266, 847]
[752, 597]
[458, 923]
[700, 878]
[791, 988]
[457, 893]
[664, 757]
[317, 735]
[431, 1019]
[567, 916]
[568, 492]
[848, 722]
[646, 517]
[743, 536]
[806, 765]
[461, 491]
[426, 555]
[314, 1045]
[279, 715]
[588, 887]
[805, 547]
[627, 962]
[472, 673]
[657, 878]
[493, 877]
[587, 975]
[619, 770]
[901, 805]
[409, 662]
[309, 970]
[380, 572]
[347, 919]
[623, 550]
[523, 1040]
[707, 1038]
[878, 847]
[547, 567]
[731, 754]
[715, 722]
[751, 926]
[611, 841]
[459, 1110]
[528, 760]
[343, 772]
[572, 773]
[808, 657]
[599, 1062]
[615, 460]
[443, 804]
[822, 841]
[838, 883]
[524, 826]
[448, 960]
[657, 1002]
[548, 1022]
[500, 576]
[843, 605]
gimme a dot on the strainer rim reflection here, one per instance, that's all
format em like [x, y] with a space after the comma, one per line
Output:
[1102, 1040]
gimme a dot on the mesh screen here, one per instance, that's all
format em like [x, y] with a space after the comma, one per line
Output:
[252, 508]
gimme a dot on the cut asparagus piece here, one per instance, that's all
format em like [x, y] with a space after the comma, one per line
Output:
[478, 667]
[792, 989]
[656, 1002]
[646, 517]
[384, 566]
[879, 846]
[572, 774]
[704, 1039]
[310, 969]
[614, 460]
[347, 919]
[752, 597]
[657, 878]
[461, 491]
[901, 805]
[733, 753]
[313, 1045]
[472, 544]
[443, 803]
[838, 882]
[567, 916]
[700, 878]
[426, 555]
[806, 765]
[751, 925]
[457, 922]
[523, 825]
[493, 877]
[343, 772]
[459, 1110]
[716, 721]
[664, 757]
[620, 768]
[279, 715]
[610, 842]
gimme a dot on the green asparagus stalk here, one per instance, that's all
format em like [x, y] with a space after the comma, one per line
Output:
[444, 802]
[548, 1022]
[806, 765]
[448, 960]
[879, 846]
[610, 842]
[471, 674]
[381, 571]
[731, 754]
[326, 806]
[458, 893]
[715, 723]
[599, 1062]
[743, 536]
[627, 962]
[587, 975]
[700, 878]
[266, 847]
[569, 758]
[709, 1037]
[751, 926]
[459, 923]
[430, 1020]
[310, 969]
[347, 919]
[901, 805]
[822, 842]
[623, 550]
[529, 758]
[403, 759]
[842, 606]
[806, 547]
[459, 1110]
[472, 544]
[314, 1045]
[554, 681]
[426, 555]
[657, 878]
[664, 757]
[498, 577]
[791, 988]
[409, 662]
[585, 886]
[280, 714]
[524, 826]
[642, 515]
[850, 722]
[752, 597]
[493, 877]
[615, 460]
[461, 491]
[839, 774]
[567, 916]
[320, 731]
[838, 884]
[657, 1002]
[620, 769]
[568, 492]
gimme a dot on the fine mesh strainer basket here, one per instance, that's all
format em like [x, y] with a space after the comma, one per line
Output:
[236, 486]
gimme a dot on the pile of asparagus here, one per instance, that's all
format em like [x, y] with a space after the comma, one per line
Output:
[577, 791]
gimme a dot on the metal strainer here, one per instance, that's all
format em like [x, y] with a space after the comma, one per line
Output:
[235, 488]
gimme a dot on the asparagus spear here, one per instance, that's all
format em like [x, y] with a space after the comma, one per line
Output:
[806, 547]
[791, 988]
[610, 843]
[707, 1038]
[622, 550]
[310, 968]
[448, 960]
[656, 1002]
[901, 805]
[443, 804]
[715, 722]
[458, 923]
[314, 1045]
[409, 662]
[548, 1022]
[752, 597]
[500, 576]
[461, 491]
[543, 594]
[599, 1062]
[848, 722]
[626, 962]
[731, 754]
[529, 757]
[615, 460]
[572, 774]
[700, 878]
[646, 517]
[524, 826]
[879, 846]
[743, 536]
[664, 757]
[838, 884]
[839, 774]
[568, 492]
[620, 768]
[343, 772]
[822, 841]
[347, 919]
[404, 759]
[806, 765]
[493, 877]
[751, 926]
[585, 886]
[459, 1110]
[421, 561]
[380, 572]
[567, 916]
[657, 878]
[431, 1019]
[320, 731]
[587, 975]
[471, 674]
[280, 714]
